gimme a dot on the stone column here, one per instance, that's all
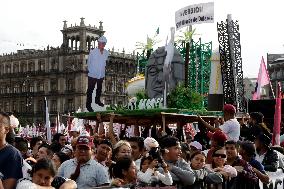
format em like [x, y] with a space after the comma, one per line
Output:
[72, 43]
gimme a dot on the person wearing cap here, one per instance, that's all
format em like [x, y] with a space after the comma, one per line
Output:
[265, 154]
[254, 127]
[87, 172]
[74, 132]
[195, 146]
[218, 139]
[96, 72]
[231, 126]
[180, 170]
[247, 151]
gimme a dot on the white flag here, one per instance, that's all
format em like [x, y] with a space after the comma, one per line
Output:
[47, 122]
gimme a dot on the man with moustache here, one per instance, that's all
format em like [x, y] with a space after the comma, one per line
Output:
[87, 173]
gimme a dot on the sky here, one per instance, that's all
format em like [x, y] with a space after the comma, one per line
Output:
[37, 23]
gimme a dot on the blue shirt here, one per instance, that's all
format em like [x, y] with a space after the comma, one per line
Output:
[256, 164]
[92, 173]
[11, 162]
[97, 63]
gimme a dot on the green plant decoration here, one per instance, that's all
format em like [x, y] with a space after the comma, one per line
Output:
[141, 94]
[182, 98]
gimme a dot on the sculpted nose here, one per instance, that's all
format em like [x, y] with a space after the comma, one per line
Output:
[160, 77]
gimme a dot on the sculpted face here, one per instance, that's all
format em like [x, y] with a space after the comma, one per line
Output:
[154, 72]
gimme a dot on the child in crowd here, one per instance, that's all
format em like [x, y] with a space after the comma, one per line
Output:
[197, 163]
[150, 176]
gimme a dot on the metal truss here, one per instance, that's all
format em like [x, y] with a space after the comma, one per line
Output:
[231, 63]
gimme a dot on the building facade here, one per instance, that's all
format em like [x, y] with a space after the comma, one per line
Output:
[275, 66]
[60, 75]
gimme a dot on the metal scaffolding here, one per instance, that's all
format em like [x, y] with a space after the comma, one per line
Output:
[231, 63]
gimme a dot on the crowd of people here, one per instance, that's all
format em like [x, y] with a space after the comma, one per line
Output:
[237, 152]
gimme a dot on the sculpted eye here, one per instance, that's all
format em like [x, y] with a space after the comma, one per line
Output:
[152, 70]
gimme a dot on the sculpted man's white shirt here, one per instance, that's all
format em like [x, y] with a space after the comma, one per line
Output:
[97, 63]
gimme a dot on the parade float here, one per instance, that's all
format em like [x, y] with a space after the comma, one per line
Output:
[180, 95]
[183, 79]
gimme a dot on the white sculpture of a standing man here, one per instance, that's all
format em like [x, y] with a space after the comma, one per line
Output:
[96, 72]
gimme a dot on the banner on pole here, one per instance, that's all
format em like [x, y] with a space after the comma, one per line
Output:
[195, 14]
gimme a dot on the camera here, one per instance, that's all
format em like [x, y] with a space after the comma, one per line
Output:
[156, 154]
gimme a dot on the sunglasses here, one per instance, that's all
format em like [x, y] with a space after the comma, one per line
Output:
[220, 155]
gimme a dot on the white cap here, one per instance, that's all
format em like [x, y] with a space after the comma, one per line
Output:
[150, 142]
[77, 129]
[196, 144]
[84, 133]
[102, 39]
[14, 122]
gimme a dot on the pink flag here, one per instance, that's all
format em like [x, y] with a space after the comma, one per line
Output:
[262, 80]
[277, 117]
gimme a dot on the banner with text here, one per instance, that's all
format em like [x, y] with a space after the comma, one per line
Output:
[195, 14]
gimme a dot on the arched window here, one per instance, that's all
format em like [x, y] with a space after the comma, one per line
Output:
[16, 88]
[8, 89]
[31, 87]
[8, 68]
[31, 66]
[40, 106]
[6, 106]
[2, 89]
[53, 64]
[23, 66]
[40, 86]
[70, 104]
[1, 69]
[15, 106]
[41, 65]
[54, 105]
[53, 85]
[70, 84]
[16, 67]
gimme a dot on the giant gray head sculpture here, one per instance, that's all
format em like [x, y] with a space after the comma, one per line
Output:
[154, 80]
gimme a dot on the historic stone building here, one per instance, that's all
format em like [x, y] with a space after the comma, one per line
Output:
[275, 66]
[60, 75]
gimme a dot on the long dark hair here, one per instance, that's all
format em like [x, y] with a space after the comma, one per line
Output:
[116, 169]
[44, 164]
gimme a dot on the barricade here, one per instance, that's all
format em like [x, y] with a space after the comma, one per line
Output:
[276, 182]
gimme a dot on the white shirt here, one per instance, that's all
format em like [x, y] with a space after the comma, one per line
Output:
[232, 129]
[138, 163]
[92, 173]
[97, 63]
[146, 177]
[259, 158]
[25, 168]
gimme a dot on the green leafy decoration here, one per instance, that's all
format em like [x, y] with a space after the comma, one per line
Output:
[182, 98]
[141, 94]
[186, 36]
[150, 43]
